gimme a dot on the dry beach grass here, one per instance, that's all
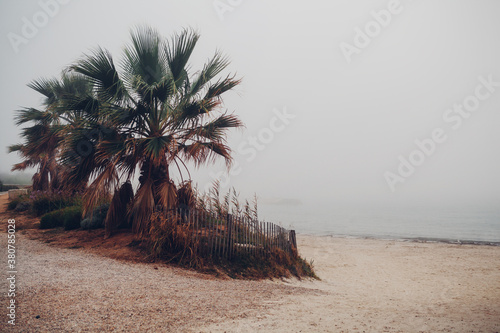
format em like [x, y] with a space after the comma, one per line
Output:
[367, 285]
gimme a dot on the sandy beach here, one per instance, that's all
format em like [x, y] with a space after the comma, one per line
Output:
[388, 286]
[366, 286]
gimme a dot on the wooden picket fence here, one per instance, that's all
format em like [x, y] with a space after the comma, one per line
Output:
[230, 235]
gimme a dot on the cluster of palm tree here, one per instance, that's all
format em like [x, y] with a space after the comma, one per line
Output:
[101, 125]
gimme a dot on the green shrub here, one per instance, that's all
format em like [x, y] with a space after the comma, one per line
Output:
[72, 217]
[92, 223]
[53, 219]
[62, 218]
[96, 219]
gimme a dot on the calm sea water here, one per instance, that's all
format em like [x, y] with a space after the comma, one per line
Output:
[463, 224]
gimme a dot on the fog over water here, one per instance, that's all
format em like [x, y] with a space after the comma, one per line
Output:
[353, 104]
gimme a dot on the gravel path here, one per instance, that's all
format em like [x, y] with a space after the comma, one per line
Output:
[73, 291]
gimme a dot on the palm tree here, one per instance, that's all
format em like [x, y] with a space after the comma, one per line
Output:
[149, 116]
[41, 140]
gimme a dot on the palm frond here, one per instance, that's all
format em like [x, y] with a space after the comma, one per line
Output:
[100, 70]
[218, 88]
[211, 69]
[87, 105]
[15, 148]
[167, 194]
[204, 152]
[186, 195]
[101, 188]
[178, 51]
[118, 208]
[31, 114]
[144, 58]
[216, 129]
[45, 87]
[27, 163]
[143, 207]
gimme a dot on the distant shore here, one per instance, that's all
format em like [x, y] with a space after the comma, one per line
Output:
[411, 239]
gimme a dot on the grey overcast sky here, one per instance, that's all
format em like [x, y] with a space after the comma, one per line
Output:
[334, 93]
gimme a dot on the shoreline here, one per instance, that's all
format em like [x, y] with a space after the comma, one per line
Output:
[442, 240]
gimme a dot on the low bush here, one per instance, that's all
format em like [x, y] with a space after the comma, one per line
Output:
[91, 223]
[169, 238]
[52, 220]
[22, 206]
[95, 220]
[65, 217]
[72, 217]
[13, 204]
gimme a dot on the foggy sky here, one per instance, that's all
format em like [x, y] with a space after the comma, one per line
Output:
[348, 122]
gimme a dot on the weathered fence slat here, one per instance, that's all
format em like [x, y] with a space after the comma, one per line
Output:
[210, 234]
[217, 237]
[197, 239]
[267, 236]
[227, 236]
[247, 238]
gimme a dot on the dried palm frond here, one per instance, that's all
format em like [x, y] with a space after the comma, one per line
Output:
[143, 207]
[118, 208]
[186, 196]
[167, 194]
